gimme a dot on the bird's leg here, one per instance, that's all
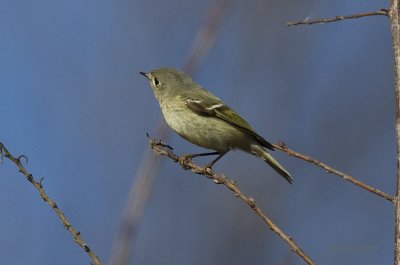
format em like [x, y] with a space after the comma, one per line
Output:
[203, 154]
[211, 164]
[190, 156]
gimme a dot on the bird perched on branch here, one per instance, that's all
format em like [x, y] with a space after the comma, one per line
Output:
[204, 120]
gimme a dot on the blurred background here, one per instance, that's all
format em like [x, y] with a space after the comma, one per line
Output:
[71, 99]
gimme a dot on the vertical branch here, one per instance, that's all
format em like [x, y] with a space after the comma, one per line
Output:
[395, 26]
[139, 195]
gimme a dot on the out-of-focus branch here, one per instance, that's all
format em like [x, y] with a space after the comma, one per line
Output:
[307, 21]
[160, 148]
[142, 186]
[282, 146]
[135, 204]
[394, 15]
[206, 37]
[38, 185]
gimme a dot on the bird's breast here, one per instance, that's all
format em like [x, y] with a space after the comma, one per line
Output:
[205, 131]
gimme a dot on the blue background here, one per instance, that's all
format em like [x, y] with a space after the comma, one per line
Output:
[71, 99]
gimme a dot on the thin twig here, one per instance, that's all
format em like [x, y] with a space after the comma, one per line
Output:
[142, 186]
[39, 186]
[307, 21]
[187, 163]
[282, 146]
[395, 27]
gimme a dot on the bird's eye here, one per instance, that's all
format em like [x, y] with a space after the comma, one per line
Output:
[156, 82]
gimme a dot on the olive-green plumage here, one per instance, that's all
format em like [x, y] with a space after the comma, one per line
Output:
[204, 120]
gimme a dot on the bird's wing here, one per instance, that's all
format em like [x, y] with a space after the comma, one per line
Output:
[208, 104]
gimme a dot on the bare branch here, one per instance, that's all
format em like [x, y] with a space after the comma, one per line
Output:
[395, 27]
[282, 146]
[38, 185]
[307, 21]
[186, 163]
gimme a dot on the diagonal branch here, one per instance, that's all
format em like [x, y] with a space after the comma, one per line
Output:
[38, 185]
[282, 146]
[307, 21]
[161, 148]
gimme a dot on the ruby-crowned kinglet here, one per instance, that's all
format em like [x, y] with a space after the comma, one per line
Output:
[204, 120]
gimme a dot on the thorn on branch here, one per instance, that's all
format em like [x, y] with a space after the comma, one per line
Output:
[54, 205]
[22, 156]
[40, 182]
[86, 247]
[29, 177]
[155, 142]
[282, 144]
[251, 202]
[46, 199]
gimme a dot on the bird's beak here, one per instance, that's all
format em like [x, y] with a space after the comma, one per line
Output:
[147, 75]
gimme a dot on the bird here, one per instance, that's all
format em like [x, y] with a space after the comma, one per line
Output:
[205, 120]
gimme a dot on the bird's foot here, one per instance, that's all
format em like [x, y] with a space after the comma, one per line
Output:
[208, 168]
[184, 160]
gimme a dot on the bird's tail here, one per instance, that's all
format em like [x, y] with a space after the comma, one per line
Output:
[264, 155]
